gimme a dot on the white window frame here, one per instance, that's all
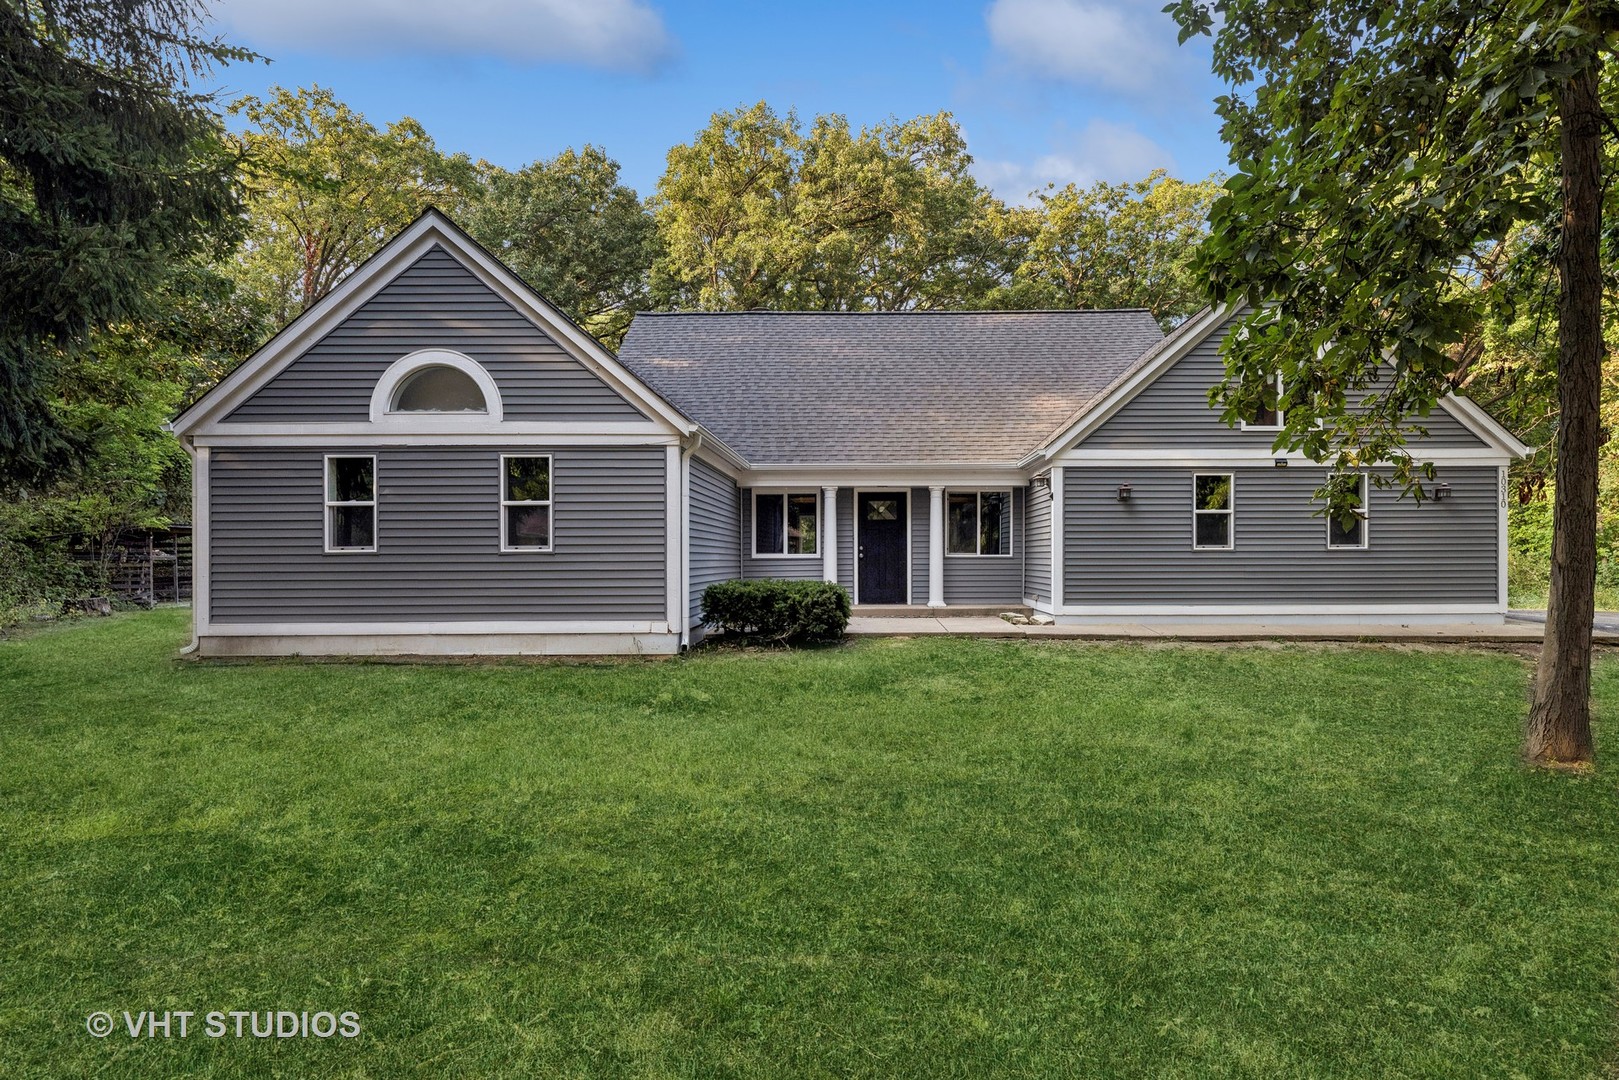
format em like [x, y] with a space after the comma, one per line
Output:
[786, 495]
[978, 524]
[389, 383]
[1281, 415]
[1230, 512]
[506, 547]
[328, 503]
[1365, 516]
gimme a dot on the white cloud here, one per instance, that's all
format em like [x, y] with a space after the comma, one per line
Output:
[1102, 151]
[623, 35]
[1117, 44]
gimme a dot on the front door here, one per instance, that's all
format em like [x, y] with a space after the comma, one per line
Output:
[880, 524]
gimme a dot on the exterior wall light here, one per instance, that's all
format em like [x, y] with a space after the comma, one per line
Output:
[1124, 492]
[1441, 492]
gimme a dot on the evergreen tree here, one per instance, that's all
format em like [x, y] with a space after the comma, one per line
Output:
[112, 171]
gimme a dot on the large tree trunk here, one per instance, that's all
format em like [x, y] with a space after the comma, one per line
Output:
[1559, 728]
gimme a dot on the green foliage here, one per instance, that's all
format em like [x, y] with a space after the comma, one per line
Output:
[1382, 153]
[1118, 245]
[775, 610]
[111, 172]
[573, 232]
[113, 397]
[326, 190]
[758, 213]
[1529, 532]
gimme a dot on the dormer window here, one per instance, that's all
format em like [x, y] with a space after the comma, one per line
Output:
[439, 388]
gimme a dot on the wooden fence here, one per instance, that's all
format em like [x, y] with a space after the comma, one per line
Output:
[153, 569]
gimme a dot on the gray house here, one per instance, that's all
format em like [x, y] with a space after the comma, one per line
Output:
[434, 460]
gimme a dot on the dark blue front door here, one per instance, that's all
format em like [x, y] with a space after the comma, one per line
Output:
[880, 524]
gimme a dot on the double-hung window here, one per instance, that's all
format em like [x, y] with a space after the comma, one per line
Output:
[1212, 512]
[978, 523]
[1350, 534]
[786, 523]
[351, 503]
[525, 502]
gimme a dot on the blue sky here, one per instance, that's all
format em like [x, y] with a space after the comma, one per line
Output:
[1046, 90]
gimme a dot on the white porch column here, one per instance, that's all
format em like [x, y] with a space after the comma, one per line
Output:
[829, 534]
[935, 547]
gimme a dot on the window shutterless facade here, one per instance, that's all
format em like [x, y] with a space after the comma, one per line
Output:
[1212, 512]
[351, 503]
[786, 523]
[978, 523]
[525, 502]
[1356, 535]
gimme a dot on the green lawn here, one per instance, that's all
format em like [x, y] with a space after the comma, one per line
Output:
[900, 858]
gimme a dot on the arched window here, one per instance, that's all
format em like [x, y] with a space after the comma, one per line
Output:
[439, 388]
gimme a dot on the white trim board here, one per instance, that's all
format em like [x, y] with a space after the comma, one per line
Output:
[854, 521]
[1501, 538]
[442, 628]
[1262, 611]
[380, 644]
[506, 436]
[201, 502]
[1250, 457]
[752, 551]
[430, 230]
[882, 477]
[1194, 332]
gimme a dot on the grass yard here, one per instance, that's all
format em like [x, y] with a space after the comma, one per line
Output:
[899, 858]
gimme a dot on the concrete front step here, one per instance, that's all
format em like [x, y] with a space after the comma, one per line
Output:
[922, 611]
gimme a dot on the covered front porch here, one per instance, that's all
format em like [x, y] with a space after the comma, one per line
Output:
[956, 544]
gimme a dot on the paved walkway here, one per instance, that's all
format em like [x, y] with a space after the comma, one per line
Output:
[1513, 630]
[1606, 622]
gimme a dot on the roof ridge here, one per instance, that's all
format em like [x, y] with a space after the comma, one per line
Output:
[928, 311]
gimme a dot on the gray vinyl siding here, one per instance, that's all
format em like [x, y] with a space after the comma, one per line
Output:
[846, 539]
[918, 509]
[436, 303]
[1174, 410]
[716, 520]
[985, 579]
[1140, 551]
[1037, 544]
[438, 539]
[794, 567]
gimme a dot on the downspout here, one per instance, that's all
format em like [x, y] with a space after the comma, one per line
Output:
[685, 538]
[196, 497]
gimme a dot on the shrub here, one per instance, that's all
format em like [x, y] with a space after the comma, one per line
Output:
[770, 609]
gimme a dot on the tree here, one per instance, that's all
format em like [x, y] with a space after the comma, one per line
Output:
[327, 189]
[1382, 152]
[573, 232]
[1119, 245]
[114, 396]
[111, 172]
[724, 213]
[757, 213]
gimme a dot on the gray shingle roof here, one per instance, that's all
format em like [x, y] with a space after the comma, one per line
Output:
[975, 387]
